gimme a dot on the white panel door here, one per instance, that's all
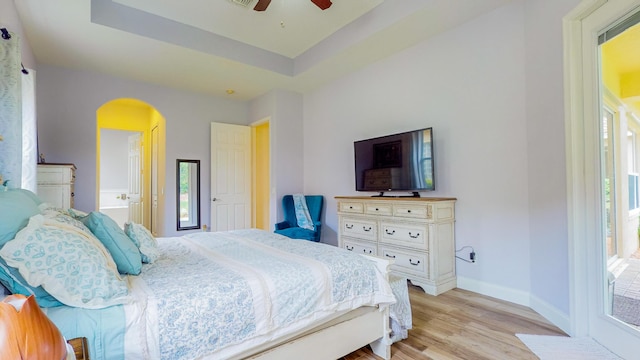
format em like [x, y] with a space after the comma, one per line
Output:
[135, 176]
[230, 177]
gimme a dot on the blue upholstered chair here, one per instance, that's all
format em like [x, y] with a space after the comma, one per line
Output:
[289, 227]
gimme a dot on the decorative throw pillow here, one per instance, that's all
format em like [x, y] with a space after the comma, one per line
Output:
[63, 217]
[74, 268]
[143, 239]
[76, 214]
[16, 207]
[30, 195]
[122, 249]
[11, 279]
[45, 207]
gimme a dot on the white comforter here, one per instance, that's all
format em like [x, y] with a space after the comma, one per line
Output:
[214, 295]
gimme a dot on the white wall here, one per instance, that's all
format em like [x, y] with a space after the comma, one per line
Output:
[493, 91]
[67, 104]
[468, 84]
[548, 220]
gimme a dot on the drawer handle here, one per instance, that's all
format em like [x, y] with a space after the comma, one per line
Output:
[365, 251]
[376, 209]
[389, 232]
[414, 264]
[390, 256]
[414, 237]
[408, 211]
[348, 226]
[366, 229]
[350, 248]
[350, 207]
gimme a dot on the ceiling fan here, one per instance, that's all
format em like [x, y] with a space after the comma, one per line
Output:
[263, 4]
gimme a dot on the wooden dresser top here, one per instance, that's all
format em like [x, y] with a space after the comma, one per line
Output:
[396, 198]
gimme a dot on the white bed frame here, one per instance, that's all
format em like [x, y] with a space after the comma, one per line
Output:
[336, 338]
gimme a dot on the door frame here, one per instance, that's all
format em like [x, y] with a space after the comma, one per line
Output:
[254, 172]
[582, 112]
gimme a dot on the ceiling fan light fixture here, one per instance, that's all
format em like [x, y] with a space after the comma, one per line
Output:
[244, 3]
[262, 5]
[322, 4]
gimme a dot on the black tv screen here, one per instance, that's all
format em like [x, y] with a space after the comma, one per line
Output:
[398, 162]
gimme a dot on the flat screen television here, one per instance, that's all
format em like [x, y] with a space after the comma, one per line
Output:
[398, 162]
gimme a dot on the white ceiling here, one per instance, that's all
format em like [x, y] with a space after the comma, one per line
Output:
[210, 46]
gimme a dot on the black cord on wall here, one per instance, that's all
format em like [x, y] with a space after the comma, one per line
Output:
[472, 254]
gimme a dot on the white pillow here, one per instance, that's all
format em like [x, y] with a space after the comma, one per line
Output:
[146, 243]
[71, 265]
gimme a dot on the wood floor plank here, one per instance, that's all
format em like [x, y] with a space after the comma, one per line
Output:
[460, 324]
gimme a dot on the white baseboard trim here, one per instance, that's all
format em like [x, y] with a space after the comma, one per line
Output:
[552, 314]
[493, 290]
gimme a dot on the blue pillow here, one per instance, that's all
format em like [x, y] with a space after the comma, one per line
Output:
[14, 282]
[16, 207]
[123, 251]
[30, 195]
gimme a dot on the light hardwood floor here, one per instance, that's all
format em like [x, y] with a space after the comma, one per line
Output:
[460, 324]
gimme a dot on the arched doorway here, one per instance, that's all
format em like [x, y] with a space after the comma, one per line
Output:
[130, 145]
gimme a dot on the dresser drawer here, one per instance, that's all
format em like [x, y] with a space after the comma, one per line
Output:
[55, 175]
[412, 211]
[360, 247]
[406, 235]
[406, 261]
[351, 207]
[358, 228]
[378, 209]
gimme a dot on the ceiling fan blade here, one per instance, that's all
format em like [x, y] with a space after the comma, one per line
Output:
[322, 4]
[262, 5]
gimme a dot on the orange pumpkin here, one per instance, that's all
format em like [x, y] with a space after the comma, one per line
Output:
[29, 331]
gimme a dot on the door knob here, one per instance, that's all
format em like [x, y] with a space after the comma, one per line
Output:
[214, 199]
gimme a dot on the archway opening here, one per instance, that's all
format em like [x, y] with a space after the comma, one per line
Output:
[130, 148]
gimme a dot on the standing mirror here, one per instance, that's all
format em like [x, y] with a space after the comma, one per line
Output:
[188, 194]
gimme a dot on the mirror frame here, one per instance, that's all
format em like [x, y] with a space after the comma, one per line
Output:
[195, 196]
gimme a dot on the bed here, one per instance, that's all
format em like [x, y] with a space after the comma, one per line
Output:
[225, 295]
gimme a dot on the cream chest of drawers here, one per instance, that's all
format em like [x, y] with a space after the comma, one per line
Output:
[416, 233]
[56, 184]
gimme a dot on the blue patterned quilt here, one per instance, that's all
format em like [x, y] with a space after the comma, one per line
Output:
[214, 295]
